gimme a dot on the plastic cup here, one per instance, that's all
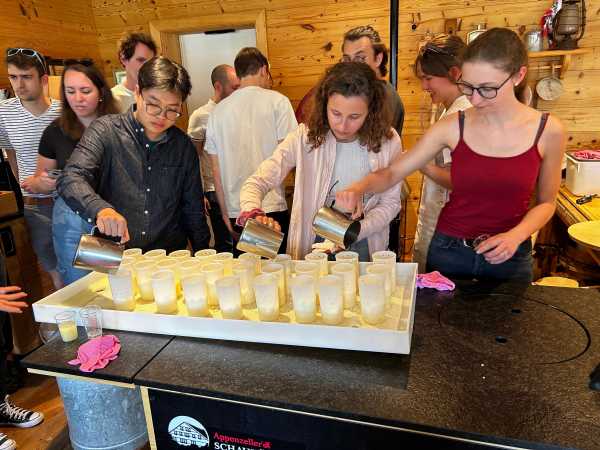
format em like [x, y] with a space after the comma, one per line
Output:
[279, 271]
[134, 253]
[91, 316]
[266, 292]
[229, 294]
[165, 294]
[144, 269]
[321, 259]
[286, 261]
[383, 271]
[389, 258]
[348, 276]
[66, 325]
[349, 257]
[122, 289]
[155, 255]
[372, 298]
[195, 294]
[225, 258]
[189, 267]
[180, 254]
[245, 271]
[212, 272]
[304, 298]
[331, 299]
[308, 268]
[251, 257]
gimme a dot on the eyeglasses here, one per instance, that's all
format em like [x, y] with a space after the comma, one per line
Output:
[356, 58]
[29, 52]
[487, 92]
[156, 110]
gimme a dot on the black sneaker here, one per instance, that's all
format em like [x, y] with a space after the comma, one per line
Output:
[6, 443]
[11, 415]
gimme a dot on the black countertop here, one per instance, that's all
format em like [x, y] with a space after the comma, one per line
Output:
[505, 364]
[137, 349]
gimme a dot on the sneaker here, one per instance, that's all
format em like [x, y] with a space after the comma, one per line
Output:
[11, 415]
[6, 443]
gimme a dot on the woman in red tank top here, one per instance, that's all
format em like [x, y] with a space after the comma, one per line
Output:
[504, 153]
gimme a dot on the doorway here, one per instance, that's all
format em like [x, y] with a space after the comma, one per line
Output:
[202, 52]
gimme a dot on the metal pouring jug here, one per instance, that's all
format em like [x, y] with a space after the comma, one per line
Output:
[260, 239]
[329, 223]
[98, 252]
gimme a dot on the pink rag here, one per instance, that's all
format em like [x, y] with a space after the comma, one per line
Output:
[244, 216]
[587, 154]
[435, 280]
[97, 353]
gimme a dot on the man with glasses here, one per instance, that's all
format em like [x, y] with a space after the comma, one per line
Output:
[136, 174]
[23, 119]
[134, 50]
[243, 130]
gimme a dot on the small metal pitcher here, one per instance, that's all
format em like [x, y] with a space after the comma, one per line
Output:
[98, 253]
[331, 224]
[260, 239]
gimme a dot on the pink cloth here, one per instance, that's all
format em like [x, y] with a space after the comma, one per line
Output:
[97, 353]
[435, 280]
[587, 154]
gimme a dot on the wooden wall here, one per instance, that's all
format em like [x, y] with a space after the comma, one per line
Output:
[57, 28]
[305, 36]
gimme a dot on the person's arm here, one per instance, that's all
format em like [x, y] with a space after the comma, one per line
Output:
[442, 134]
[193, 215]
[503, 246]
[388, 206]
[272, 171]
[79, 180]
[41, 182]
[440, 175]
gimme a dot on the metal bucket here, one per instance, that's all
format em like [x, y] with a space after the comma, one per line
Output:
[260, 239]
[331, 224]
[97, 253]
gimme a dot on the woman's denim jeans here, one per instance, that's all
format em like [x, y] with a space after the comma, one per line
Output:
[454, 259]
[67, 228]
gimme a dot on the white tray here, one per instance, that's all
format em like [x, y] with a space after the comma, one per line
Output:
[393, 335]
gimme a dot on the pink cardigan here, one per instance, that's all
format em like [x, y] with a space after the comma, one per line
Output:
[314, 170]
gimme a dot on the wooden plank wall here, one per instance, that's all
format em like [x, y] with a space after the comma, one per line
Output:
[57, 28]
[305, 36]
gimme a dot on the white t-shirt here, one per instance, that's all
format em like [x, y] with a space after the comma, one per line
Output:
[244, 130]
[197, 130]
[124, 97]
[20, 130]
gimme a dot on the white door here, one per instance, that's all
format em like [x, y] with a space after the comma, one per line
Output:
[201, 53]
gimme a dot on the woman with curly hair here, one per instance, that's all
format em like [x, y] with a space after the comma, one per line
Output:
[349, 135]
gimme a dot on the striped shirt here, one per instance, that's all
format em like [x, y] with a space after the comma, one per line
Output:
[21, 131]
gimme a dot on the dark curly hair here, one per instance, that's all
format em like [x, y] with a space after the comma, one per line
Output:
[352, 79]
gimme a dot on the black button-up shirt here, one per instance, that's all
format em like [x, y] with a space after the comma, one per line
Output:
[155, 185]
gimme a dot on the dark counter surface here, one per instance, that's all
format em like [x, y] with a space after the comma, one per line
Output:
[503, 364]
[137, 349]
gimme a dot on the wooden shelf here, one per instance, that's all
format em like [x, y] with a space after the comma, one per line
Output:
[564, 55]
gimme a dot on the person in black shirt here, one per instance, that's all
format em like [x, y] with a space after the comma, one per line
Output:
[135, 174]
[85, 96]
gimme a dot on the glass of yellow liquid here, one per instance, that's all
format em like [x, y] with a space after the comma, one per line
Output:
[67, 325]
[372, 298]
[304, 298]
[266, 292]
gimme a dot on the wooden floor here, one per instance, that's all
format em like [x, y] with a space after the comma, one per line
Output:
[41, 394]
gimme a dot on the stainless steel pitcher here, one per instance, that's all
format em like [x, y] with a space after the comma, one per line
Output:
[260, 239]
[98, 253]
[331, 224]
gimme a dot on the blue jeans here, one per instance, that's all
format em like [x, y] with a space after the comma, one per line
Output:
[454, 259]
[67, 228]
